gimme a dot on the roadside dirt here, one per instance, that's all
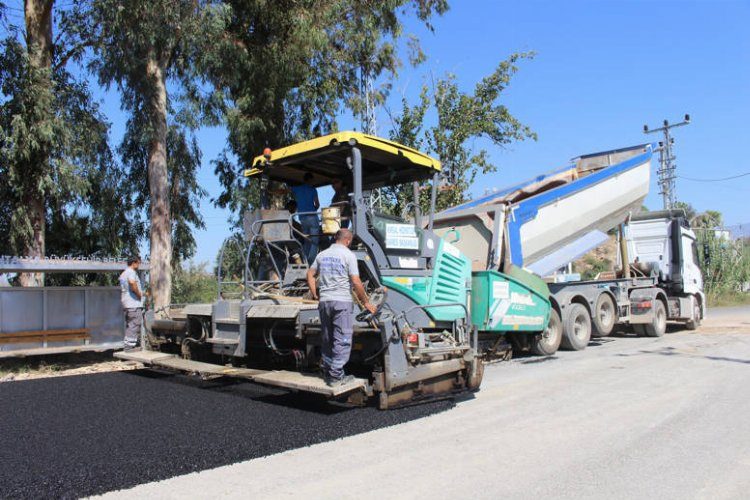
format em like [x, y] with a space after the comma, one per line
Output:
[62, 365]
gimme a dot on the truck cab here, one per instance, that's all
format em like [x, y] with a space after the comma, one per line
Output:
[663, 245]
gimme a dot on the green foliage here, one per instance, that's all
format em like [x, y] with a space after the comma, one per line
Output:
[687, 207]
[286, 68]
[725, 263]
[462, 118]
[179, 37]
[594, 266]
[192, 283]
[53, 148]
[232, 260]
[709, 219]
[183, 162]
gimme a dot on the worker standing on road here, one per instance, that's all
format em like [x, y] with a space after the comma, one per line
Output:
[338, 273]
[306, 197]
[131, 297]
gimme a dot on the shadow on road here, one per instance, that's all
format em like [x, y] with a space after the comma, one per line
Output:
[672, 351]
[302, 401]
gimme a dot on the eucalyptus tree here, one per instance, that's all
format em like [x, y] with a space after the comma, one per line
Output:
[461, 119]
[57, 169]
[154, 52]
[289, 68]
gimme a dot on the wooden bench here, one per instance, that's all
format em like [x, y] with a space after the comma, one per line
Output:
[45, 336]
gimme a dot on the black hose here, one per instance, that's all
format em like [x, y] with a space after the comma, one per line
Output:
[381, 351]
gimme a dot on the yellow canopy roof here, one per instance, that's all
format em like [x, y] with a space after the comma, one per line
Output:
[384, 162]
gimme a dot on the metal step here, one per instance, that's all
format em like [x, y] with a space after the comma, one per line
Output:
[223, 341]
[227, 321]
[276, 378]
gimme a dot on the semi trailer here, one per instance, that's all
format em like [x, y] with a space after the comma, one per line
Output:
[543, 224]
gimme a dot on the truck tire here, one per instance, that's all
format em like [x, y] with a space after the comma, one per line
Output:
[577, 328]
[658, 325]
[605, 316]
[548, 342]
[694, 322]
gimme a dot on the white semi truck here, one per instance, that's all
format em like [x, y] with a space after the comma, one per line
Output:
[545, 223]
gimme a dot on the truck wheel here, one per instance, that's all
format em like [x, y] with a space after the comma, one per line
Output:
[577, 328]
[695, 321]
[605, 316]
[658, 325]
[548, 342]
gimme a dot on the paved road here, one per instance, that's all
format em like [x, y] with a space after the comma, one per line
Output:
[628, 418]
[81, 435]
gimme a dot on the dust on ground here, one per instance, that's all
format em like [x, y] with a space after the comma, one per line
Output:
[726, 320]
[61, 365]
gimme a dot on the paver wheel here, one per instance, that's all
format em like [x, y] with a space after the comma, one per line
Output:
[605, 316]
[548, 342]
[577, 328]
[475, 375]
[695, 321]
[658, 325]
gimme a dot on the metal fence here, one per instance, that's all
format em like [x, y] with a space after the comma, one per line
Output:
[93, 309]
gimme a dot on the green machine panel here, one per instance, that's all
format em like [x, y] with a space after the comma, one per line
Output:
[517, 301]
[449, 282]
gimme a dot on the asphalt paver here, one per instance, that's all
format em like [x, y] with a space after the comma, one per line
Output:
[76, 436]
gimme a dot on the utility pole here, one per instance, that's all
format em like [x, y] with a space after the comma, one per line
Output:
[667, 165]
[369, 123]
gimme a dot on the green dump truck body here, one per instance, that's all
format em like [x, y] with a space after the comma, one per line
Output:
[517, 301]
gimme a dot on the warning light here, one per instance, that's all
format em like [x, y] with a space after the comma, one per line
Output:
[267, 153]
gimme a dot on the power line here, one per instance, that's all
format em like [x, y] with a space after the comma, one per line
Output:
[715, 180]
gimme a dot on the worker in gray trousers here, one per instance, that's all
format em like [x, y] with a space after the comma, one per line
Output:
[336, 268]
[131, 298]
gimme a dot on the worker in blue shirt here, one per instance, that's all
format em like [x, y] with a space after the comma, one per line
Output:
[306, 197]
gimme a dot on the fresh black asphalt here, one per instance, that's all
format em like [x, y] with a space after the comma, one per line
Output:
[83, 435]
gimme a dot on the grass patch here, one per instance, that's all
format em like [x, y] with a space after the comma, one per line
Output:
[728, 299]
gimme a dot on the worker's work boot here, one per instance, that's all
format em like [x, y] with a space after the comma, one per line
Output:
[335, 382]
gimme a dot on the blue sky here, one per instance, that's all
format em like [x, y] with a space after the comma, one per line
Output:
[602, 70]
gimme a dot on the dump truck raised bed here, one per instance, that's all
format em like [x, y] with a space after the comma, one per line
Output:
[543, 224]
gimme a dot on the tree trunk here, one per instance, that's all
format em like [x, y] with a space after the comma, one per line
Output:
[158, 180]
[38, 18]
